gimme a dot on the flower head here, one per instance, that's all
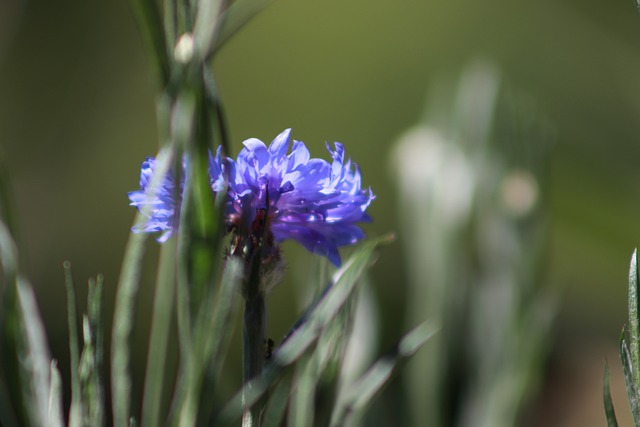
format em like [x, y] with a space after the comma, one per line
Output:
[309, 200]
[274, 195]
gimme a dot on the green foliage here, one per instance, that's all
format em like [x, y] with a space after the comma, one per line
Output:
[27, 394]
[472, 179]
[608, 403]
[87, 390]
[629, 353]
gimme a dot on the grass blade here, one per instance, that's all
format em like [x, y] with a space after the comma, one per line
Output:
[213, 334]
[161, 322]
[608, 403]
[277, 406]
[207, 25]
[75, 411]
[150, 24]
[37, 355]
[90, 366]
[634, 321]
[627, 368]
[360, 394]
[56, 418]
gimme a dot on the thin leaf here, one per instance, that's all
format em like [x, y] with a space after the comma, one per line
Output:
[8, 255]
[319, 369]
[608, 403]
[632, 392]
[75, 412]
[277, 405]
[56, 417]
[634, 320]
[206, 27]
[161, 322]
[95, 309]
[213, 334]
[170, 9]
[301, 406]
[217, 330]
[12, 392]
[37, 354]
[150, 24]
[360, 394]
[91, 359]
[306, 332]
[199, 258]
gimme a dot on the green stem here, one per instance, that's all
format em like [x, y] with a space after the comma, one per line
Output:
[150, 23]
[75, 410]
[162, 311]
[254, 334]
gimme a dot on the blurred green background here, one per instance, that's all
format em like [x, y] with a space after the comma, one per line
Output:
[77, 118]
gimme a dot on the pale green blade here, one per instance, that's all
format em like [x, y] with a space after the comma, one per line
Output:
[359, 395]
[56, 416]
[632, 392]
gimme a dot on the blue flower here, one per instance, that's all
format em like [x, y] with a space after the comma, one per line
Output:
[163, 207]
[316, 203]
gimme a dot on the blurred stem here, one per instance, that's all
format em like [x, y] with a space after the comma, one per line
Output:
[162, 311]
[75, 410]
[185, 19]
[213, 99]
[254, 333]
[170, 22]
[150, 24]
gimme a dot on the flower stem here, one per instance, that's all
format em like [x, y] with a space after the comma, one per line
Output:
[254, 334]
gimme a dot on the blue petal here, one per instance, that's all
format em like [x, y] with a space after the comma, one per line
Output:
[279, 146]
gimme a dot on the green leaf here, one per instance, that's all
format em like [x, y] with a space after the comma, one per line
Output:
[56, 417]
[608, 403]
[37, 359]
[75, 411]
[13, 394]
[634, 320]
[214, 331]
[353, 400]
[211, 337]
[317, 372]
[307, 330]
[159, 335]
[205, 29]
[90, 367]
[632, 392]
[277, 406]
[150, 24]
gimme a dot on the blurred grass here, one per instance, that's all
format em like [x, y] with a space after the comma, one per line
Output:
[76, 93]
